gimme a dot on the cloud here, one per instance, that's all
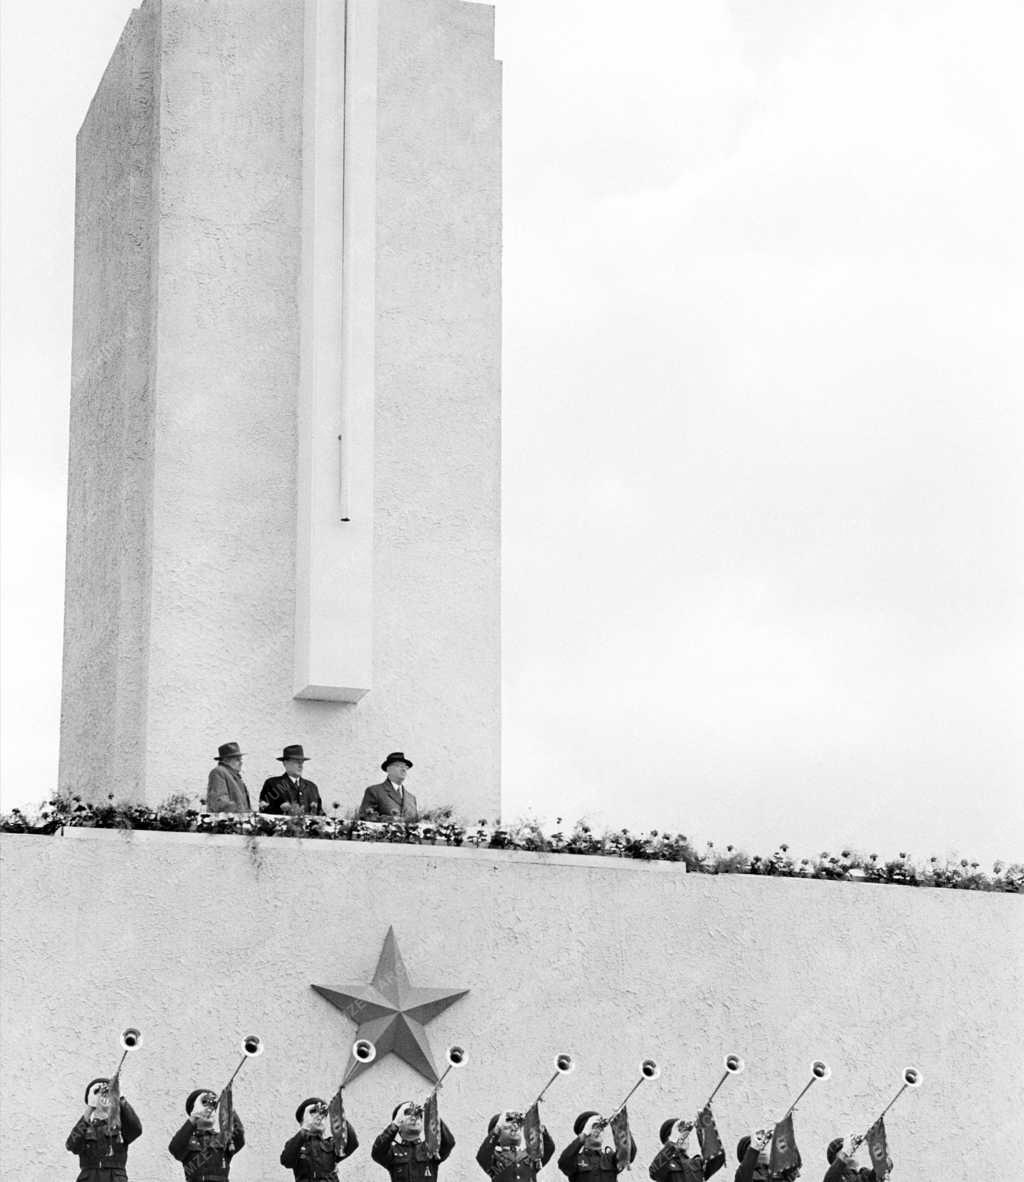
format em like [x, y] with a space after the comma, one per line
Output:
[763, 426]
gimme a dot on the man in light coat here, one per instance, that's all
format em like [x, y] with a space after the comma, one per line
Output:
[390, 800]
[225, 789]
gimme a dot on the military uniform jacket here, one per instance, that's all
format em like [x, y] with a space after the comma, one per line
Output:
[672, 1165]
[843, 1171]
[311, 1157]
[201, 1155]
[409, 1161]
[279, 790]
[751, 1170]
[506, 1163]
[102, 1158]
[594, 1165]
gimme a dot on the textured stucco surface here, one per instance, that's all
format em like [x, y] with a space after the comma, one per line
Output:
[106, 623]
[198, 942]
[437, 521]
[183, 636]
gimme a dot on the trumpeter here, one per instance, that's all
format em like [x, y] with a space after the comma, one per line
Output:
[316, 1149]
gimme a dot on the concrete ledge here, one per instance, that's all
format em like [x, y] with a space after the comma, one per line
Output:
[360, 849]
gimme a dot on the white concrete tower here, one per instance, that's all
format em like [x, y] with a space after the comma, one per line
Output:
[283, 507]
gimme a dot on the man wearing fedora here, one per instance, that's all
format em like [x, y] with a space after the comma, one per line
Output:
[390, 799]
[225, 789]
[290, 789]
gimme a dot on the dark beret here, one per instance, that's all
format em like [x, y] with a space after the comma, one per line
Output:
[300, 1112]
[580, 1121]
[192, 1098]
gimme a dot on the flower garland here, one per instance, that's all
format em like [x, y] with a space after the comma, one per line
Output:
[179, 815]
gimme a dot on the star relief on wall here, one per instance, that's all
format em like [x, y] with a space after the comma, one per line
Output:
[392, 1013]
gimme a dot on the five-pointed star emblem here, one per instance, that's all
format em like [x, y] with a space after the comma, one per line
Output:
[392, 1013]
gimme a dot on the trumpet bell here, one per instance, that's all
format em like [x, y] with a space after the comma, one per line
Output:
[364, 1051]
[821, 1070]
[912, 1077]
[252, 1045]
[131, 1038]
[734, 1064]
[565, 1064]
[649, 1069]
[456, 1056]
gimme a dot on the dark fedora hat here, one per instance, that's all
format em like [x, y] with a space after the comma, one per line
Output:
[395, 757]
[292, 751]
[228, 751]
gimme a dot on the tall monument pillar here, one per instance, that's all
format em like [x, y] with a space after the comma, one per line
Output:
[283, 506]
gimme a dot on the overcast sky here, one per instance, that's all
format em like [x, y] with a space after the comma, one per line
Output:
[763, 416]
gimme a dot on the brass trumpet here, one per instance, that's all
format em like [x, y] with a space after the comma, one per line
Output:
[363, 1051]
[456, 1057]
[130, 1039]
[252, 1045]
[649, 1069]
[564, 1065]
[734, 1065]
[911, 1079]
[819, 1070]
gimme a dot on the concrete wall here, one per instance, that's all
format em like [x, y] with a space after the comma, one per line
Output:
[200, 941]
[438, 446]
[182, 635]
[109, 545]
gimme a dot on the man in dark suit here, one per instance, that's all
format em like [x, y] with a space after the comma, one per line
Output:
[290, 789]
[225, 789]
[390, 800]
